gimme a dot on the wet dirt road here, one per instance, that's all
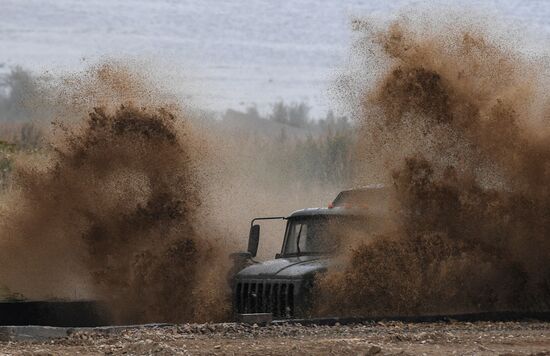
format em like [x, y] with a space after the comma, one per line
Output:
[482, 338]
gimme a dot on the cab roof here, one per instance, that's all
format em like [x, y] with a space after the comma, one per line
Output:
[351, 202]
[362, 195]
[337, 211]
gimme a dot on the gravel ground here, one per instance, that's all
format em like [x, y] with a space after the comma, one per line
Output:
[482, 338]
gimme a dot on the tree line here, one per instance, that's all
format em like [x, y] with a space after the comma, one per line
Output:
[322, 152]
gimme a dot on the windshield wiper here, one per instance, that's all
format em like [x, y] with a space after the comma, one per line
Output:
[298, 239]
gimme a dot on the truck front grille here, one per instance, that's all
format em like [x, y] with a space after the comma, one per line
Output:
[265, 297]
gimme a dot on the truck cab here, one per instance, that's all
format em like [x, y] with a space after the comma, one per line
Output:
[282, 287]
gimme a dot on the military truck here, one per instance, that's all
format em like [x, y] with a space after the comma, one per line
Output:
[282, 287]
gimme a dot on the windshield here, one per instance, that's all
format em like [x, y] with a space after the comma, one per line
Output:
[315, 235]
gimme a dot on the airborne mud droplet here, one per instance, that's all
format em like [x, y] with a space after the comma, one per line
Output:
[112, 213]
[455, 123]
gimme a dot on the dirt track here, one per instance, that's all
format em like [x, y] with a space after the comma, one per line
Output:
[525, 338]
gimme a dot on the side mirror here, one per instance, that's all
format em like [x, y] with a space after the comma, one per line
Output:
[253, 240]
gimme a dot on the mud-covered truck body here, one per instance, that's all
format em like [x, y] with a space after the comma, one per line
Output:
[282, 287]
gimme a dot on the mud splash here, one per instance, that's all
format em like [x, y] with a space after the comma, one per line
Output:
[113, 211]
[455, 123]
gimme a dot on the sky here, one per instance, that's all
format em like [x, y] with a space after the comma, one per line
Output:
[217, 54]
